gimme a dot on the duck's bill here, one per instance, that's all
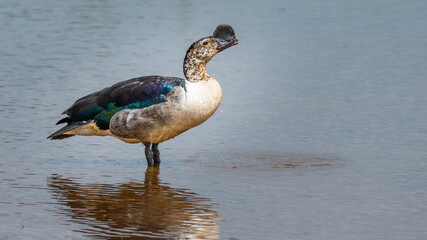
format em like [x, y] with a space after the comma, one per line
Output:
[224, 44]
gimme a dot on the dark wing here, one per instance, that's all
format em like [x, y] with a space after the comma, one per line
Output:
[131, 94]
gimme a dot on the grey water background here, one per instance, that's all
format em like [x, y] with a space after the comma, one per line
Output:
[322, 133]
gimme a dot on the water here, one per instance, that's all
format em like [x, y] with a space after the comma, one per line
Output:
[322, 133]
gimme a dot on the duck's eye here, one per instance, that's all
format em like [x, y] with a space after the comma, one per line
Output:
[205, 43]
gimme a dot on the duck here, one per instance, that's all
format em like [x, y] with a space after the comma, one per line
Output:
[153, 109]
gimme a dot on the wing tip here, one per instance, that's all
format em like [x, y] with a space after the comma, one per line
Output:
[64, 120]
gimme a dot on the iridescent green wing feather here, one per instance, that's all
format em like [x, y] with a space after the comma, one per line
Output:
[136, 93]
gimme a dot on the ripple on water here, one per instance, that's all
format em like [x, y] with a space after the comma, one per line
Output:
[258, 161]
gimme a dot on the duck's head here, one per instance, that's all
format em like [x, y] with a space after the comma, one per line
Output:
[204, 49]
[224, 37]
[207, 47]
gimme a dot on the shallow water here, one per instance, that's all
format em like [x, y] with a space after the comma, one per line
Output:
[322, 133]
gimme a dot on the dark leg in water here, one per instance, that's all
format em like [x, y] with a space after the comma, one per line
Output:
[148, 154]
[156, 154]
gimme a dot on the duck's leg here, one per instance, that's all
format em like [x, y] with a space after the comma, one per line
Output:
[148, 154]
[156, 153]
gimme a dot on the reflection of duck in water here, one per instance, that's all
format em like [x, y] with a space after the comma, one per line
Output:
[153, 109]
[136, 210]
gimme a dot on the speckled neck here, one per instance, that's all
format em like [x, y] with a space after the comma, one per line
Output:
[195, 70]
[195, 63]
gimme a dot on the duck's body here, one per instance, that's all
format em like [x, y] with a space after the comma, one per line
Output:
[153, 109]
[185, 107]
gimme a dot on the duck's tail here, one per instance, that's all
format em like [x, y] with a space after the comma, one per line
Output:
[65, 131]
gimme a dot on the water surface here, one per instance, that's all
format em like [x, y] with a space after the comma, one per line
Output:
[322, 133]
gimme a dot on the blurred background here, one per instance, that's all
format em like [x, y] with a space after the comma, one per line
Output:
[322, 133]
